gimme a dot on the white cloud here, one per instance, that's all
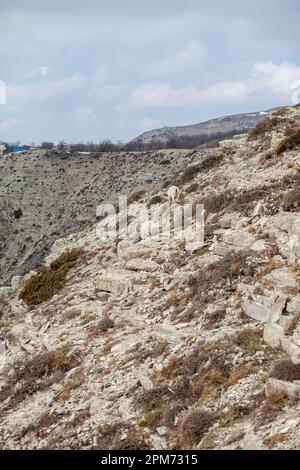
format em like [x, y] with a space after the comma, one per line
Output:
[275, 79]
[264, 78]
[163, 95]
[37, 92]
[84, 114]
[185, 59]
[148, 123]
[39, 71]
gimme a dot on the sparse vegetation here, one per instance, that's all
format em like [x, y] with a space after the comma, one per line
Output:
[49, 280]
[36, 373]
[290, 142]
[105, 324]
[263, 127]
[194, 426]
[284, 369]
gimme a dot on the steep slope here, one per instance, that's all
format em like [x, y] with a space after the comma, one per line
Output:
[236, 123]
[152, 346]
[45, 195]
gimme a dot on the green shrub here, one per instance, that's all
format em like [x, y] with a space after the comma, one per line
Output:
[49, 280]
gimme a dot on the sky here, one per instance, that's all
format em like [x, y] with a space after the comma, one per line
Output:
[95, 69]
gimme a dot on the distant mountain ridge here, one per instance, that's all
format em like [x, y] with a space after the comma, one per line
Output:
[205, 131]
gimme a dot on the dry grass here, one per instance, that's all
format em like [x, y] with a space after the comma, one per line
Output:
[136, 196]
[284, 369]
[289, 330]
[290, 142]
[237, 374]
[109, 437]
[36, 373]
[291, 202]
[262, 128]
[274, 440]
[40, 428]
[49, 280]
[194, 426]
[249, 340]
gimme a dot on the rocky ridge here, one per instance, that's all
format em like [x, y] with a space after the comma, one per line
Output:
[148, 345]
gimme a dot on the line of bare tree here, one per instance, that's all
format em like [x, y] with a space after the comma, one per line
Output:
[138, 145]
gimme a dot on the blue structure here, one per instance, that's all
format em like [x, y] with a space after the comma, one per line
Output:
[18, 150]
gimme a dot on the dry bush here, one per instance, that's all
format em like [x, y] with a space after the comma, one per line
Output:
[280, 112]
[109, 437]
[152, 399]
[214, 318]
[194, 426]
[248, 339]
[272, 441]
[157, 199]
[241, 202]
[284, 369]
[105, 324]
[41, 427]
[136, 196]
[262, 128]
[291, 201]
[235, 413]
[214, 203]
[207, 164]
[237, 374]
[49, 280]
[290, 142]
[43, 364]
[289, 330]
[134, 441]
[192, 188]
[231, 266]
[36, 373]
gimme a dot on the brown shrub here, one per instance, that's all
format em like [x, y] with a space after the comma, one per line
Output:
[274, 440]
[207, 164]
[134, 197]
[152, 399]
[262, 128]
[291, 201]
[35, 374]
[156, 200]
[248, 339]
[109, 437]
[192, 188]
[105, 324]
[214, 318]
[43, 364]
[237, 374]
[49, 280]
[215, 203]
[291, 140]
[42, 425]
[194, 426]
[285, 370]
[290, 328]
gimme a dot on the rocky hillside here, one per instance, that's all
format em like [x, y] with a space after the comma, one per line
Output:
[147, 345]
[208, 130]
[46, 195]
